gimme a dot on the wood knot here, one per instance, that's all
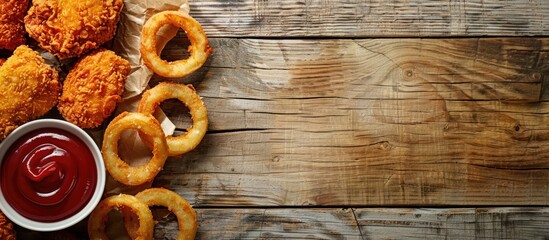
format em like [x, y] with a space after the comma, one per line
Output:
[276, 159]
[385, 145]
[518, 131]
[536, 76]
[408, 74]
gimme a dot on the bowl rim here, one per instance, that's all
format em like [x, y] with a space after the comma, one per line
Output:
[24, 222]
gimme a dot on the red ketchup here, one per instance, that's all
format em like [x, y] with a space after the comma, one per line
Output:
[48, 175]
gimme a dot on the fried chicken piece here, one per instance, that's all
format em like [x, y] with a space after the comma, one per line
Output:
[2, 61]
[6, 228]
[93, 88]
[29, 88]
[69, 28]
[12, 31]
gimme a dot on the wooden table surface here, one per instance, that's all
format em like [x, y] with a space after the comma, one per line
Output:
[374, 119]
[368, 120]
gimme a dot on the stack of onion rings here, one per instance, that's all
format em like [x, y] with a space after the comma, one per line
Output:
[151, 133]
[199, 49]
[121, 171]
[187, 94]
[142, 227]
[147, 126]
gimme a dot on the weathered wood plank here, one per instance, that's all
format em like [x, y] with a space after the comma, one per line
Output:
[274, 224]
[240, 223]
[509, 69]
[337, 223]
[468, 223]
[341, 18]
[376, 122]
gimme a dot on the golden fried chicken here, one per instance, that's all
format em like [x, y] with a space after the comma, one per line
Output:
[29, 88]
[6, 228]
[93, 88]
[12, 31]
[69, 28]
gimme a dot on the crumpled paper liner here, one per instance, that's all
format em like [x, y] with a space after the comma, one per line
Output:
[128, 36]
[126, 44]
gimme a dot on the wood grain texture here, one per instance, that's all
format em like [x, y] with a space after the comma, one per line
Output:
[245, 223]
[367, 223]
[342, 18]
[277, 224]
[527, 223]
[369, 122]
[467, 223]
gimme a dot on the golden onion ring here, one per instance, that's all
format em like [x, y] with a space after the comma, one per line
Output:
[187, 94]
[199, 48]
[186, 216]
[96, 222]
[121, 171]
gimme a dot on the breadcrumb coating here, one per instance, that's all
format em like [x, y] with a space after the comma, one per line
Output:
[29, 87]
[93, 88]
[69, 28]
[6, 228]
[12, 31]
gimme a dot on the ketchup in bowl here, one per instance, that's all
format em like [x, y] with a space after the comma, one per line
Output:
[52, 175]
[48, 175]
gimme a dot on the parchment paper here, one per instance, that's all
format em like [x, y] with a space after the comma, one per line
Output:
[126, 44]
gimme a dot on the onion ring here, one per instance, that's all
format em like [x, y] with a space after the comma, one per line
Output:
[187, 94]
[199, 48]
[186, 216]
[121, 171]
[96, 222]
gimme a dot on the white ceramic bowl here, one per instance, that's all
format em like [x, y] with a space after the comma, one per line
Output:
[99, 188]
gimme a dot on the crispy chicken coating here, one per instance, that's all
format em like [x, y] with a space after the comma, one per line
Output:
[29, 88]
[12, 31]
[93, 88]
[69, 28]
[6, 228]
